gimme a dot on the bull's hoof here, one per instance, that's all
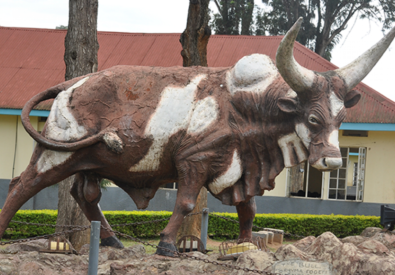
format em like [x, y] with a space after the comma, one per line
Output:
[166, 249]
[112, 241]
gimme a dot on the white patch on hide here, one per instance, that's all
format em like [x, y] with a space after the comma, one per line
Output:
[172, 114]
[336, 104]
[230, 177]
[61, 126]
[205, 113]
[289, 143]
[333, 138]
[303, 133]
[50, 159]
[291, 94]
[253, 73]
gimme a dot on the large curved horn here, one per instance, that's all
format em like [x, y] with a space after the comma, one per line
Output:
[354, 72]
[296, 76]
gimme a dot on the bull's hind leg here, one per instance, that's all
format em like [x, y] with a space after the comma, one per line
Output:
[28, 184]
[246, 212]
[86, 191]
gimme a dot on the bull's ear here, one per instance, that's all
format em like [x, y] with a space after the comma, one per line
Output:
[287, 104]
[352, 98]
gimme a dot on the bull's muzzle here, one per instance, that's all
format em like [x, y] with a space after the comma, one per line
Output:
[327, 164]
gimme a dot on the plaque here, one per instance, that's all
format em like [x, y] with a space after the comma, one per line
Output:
[299, 267]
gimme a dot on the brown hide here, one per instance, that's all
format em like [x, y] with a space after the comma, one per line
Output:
[125, 98]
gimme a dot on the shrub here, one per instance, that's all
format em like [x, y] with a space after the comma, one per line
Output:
[299, 224]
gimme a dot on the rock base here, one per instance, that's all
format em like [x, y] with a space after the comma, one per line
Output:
[373, 252]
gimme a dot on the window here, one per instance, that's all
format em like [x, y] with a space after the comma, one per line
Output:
[173, 185]
[346, 183]
[305, 181]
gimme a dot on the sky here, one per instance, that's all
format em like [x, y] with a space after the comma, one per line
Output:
[158, 16]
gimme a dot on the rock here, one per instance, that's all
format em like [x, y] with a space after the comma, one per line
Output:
[135, 251]
[35, 245]
[290, 252]
[373, 264]
[108, 253]
[343, 257]
[351, 255]
[373, 246]
[84, 249]
[254, 259]
[370, 231]
[304, 243]
[7, 265]
[387, 239]
[355, 240]
[326, 243]
[28, 268]
[119, 269]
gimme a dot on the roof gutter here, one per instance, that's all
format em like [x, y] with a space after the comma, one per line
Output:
[17, 112]
[368, 126]
[343, 126]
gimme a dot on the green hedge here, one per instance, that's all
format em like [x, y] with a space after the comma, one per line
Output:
[299, 224]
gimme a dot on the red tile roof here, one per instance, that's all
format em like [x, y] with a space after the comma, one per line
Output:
[31, 60]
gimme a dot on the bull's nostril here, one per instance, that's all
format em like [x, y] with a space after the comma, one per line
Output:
[333, 163]
[326, 164]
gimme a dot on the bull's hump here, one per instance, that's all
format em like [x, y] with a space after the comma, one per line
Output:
[177, 109]
[253, 73]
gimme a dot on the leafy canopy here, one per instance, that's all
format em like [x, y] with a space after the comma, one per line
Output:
[324, 20]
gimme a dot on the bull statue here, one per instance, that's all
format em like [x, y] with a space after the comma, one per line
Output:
[232, 130]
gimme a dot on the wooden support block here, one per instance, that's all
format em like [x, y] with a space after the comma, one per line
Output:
[264, 236]
[268, 235]
[278, 235]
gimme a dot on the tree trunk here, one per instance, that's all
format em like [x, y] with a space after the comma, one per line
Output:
[247, 17]
[195, 38]
[296, 177]
[80, 56]
[192, 225]
[194, 42]
[81, 44]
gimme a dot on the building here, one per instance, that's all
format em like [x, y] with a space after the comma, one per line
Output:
[31, 60]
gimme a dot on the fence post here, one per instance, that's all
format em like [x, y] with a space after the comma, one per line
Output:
[203, 232]
[94, 248]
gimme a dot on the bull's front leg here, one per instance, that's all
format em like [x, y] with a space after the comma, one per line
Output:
[246, 212]
[185, 203]
[189, 187]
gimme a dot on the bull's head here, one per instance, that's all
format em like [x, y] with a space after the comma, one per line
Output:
[322, 97]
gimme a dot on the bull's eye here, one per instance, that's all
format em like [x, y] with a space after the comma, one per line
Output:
[313, 119]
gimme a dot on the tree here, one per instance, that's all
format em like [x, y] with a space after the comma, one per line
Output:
[195, 37]
[325, 20]
[235, 17]
[194, 42]
[284, 14]
[80, 57]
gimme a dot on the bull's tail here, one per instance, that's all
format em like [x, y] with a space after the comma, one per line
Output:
[51, 144]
